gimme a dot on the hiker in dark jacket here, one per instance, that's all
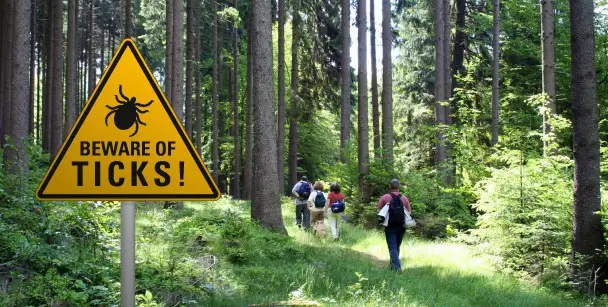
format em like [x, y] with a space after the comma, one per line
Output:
[394, 232]
[301, 205]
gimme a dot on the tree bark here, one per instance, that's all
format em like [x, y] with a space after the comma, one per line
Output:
[447, 30]
[495, 65]
[281, 102]
[235, 101]
[102, 39]
[32, 87]
[70, 99]
[177, 81]
[169, 49]
[189, 64]
[17, 157]
[345, 100]
[198, 124]
[6, 69]
[587, 231]
[295, 99]
[387, 83]
[247, 172]
[363, 137]
[128, 19]
[92, 66]
[48, 85]
[57, 76]
[459, 43]
[548, 70]
[439, 81]
[375, 107]
[214, 107]
[41, 81]
[266, 202]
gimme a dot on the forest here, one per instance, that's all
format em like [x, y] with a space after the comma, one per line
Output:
[492, 114]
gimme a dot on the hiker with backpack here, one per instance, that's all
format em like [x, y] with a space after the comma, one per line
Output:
[316, 203]
[302, 191]
[334, 208]
[395, 226]
[316, 206]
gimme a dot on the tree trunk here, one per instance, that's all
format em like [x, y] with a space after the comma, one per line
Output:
[102, 39]
[295, 98]
[177, 81]
[281, 106]
[57, 76]
[32, 86]
[345, 101]
[362, 91]
[459, 43]
[587, 231]
[48, 85]
[375, 107]
[41, 77]
[548, 70]
[495, 65]
[6, 68]
[2, 82]
[168, 49]
[235, 96]
[92, 66]
[447, 110]
[447, 30]
[266, 202]
[247, 172]
[387, 82]
[189, 64]
[214, 107]
[17, 157]
[70, 99]
[128, 19]
[439, 82]
[197, 77]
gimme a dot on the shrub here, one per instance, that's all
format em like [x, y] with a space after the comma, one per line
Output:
[526, 213]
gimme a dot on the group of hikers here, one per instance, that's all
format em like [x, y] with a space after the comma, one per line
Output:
[313, 206]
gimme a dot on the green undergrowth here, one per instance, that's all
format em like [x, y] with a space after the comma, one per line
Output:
[210, 254]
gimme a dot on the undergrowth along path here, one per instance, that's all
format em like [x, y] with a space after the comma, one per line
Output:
[354, 271]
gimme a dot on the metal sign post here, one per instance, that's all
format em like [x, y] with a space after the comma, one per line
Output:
[127, 254]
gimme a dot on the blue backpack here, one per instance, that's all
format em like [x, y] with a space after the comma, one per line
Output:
[320, 200]
[304, 190]
[338, 206]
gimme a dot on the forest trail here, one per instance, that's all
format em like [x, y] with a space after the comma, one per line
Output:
[354, 271]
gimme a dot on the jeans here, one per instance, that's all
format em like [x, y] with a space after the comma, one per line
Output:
[302, 211]
[394, 236]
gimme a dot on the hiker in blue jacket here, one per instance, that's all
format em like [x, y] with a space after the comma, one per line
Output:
[302, 191]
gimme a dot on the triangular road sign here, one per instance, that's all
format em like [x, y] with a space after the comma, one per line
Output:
[127, 144]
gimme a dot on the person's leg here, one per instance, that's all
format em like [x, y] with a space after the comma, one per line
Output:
[299, 215]
[337, 218]
[391, 241]
[400, 232]
[306, 214]
[333, 224]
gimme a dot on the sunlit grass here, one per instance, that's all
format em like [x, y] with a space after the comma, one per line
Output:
[435, 273]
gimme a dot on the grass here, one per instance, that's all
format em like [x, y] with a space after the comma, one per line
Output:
[353, 271]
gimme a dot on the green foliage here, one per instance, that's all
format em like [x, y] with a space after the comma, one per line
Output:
[526, 213]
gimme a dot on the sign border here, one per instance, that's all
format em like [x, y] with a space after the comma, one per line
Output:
[127, 43]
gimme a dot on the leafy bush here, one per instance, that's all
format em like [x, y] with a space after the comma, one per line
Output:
[526, 213]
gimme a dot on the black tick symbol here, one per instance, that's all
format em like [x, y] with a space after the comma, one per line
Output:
[125, 114]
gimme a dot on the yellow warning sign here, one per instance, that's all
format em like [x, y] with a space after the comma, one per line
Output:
[127, 144]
